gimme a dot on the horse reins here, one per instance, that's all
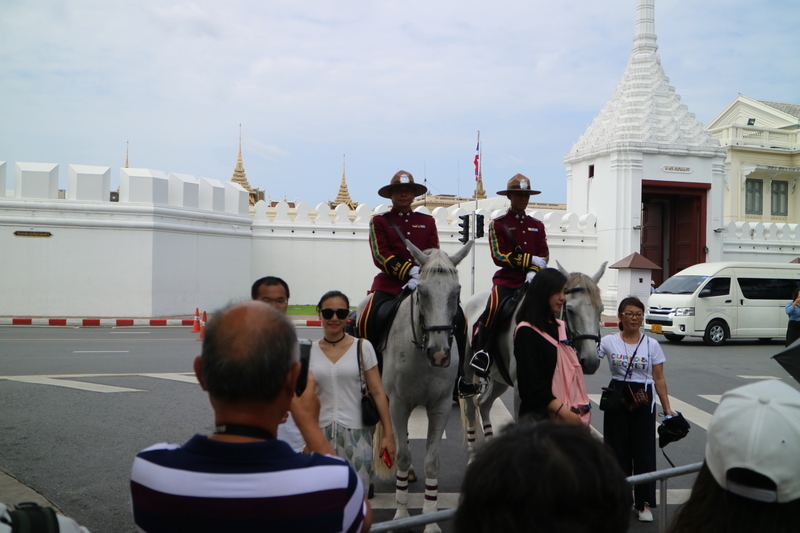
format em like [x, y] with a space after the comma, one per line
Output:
[585, 336]
[425, 329]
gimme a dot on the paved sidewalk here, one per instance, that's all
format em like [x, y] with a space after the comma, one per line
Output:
[13, 491]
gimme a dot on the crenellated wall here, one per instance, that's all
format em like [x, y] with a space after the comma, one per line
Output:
[325, 250]
[175, 242]
[153, 253]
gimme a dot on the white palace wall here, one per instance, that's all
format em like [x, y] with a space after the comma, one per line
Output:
[144, 256]
[158, 252]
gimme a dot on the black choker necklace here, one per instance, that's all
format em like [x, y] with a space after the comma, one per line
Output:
[333, 343]
[243, 431]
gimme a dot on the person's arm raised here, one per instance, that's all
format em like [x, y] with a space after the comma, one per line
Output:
[305, 411]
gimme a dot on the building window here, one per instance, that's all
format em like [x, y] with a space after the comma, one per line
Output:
[753, 193]
[591, 171]
[780, 198]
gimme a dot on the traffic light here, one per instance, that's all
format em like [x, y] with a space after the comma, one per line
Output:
[464, 224]
[478, 226]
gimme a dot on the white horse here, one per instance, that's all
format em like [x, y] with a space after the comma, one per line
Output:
[582, 314]
[416, 366]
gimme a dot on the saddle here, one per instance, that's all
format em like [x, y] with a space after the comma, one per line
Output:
[375, 325]
[485, 338]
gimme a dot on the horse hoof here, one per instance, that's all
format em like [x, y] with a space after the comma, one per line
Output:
[432, 528]
[412, 476]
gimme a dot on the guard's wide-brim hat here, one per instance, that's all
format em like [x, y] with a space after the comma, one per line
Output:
[518, 183]
[400, 179]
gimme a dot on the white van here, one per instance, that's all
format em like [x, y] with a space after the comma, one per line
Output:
[728, 300]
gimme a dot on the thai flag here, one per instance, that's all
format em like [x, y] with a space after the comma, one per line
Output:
[477, 160]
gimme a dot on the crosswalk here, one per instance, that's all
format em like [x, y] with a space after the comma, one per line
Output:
[417, 426]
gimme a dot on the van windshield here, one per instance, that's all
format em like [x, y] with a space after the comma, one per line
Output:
[681, 285]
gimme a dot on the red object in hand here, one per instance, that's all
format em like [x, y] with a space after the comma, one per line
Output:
[386, 459]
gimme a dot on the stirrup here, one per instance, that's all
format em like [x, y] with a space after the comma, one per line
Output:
[468, 389]
[481, 362]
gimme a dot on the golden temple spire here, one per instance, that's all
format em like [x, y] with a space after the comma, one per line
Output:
[480, 192]
[239, 175]
[126, 154]
[344, 196]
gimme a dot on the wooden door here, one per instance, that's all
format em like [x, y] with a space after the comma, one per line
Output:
[685, 247]
[652, 245]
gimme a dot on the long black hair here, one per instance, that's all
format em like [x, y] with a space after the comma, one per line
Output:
[536, 307]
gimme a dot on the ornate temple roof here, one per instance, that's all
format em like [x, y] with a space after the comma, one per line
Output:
[239, 175]
[343, 197]
[644, 113]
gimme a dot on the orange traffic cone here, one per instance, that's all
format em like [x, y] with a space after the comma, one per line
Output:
[196, 323]
[202, 327]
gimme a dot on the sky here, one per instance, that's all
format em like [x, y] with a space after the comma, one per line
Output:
[391, 85]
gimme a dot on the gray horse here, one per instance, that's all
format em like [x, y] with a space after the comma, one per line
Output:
[582, 313]
[417, 369]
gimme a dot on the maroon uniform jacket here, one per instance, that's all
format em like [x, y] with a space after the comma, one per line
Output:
[516, 261]
[389, 253]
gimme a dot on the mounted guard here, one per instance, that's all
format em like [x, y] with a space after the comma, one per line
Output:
[518, 244]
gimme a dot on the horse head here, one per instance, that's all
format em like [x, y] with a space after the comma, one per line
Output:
[582, 313]
[436, 301]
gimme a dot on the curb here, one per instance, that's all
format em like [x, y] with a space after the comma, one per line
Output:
[117, 322]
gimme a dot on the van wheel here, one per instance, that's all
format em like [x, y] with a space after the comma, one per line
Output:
[671, 337]
[716, 333]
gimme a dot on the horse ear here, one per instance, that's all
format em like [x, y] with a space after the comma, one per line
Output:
[416, 253]
[600, 272]
[562, 269]
[462, 253]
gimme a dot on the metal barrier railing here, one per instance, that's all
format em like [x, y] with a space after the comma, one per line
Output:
[404, 524]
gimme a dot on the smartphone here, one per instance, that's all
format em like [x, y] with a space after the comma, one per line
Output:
[305, 354]
[386, 459]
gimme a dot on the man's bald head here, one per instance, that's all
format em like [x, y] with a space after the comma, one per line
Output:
[248, 350]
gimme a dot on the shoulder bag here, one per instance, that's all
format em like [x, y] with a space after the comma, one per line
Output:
[369, 411]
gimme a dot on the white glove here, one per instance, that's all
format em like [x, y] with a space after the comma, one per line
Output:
[529, 276]
[539, 262]
[412, 284]
[413, 281]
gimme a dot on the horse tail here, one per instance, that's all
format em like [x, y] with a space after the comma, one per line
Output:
[381, 470]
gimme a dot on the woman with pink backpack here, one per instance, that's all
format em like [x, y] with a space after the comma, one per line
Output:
[550, 380]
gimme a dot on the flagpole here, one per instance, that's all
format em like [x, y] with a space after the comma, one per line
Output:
[474, 212]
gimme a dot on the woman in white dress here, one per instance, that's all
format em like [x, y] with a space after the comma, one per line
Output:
[334, 362]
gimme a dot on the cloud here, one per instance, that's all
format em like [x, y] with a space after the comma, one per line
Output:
[269, 152]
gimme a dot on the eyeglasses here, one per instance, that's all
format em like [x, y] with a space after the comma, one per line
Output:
[341, 314]
[274, 301]
[633, 315]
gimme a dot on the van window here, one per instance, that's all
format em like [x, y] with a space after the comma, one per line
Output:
[767, 289]
[682, 285]
[716, 287]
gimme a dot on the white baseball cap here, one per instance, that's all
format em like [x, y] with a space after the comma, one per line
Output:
[757, 427]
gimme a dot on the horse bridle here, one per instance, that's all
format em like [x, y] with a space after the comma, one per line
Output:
[425, 329]
[570, 334]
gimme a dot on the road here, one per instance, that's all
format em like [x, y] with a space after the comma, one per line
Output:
[78, 403]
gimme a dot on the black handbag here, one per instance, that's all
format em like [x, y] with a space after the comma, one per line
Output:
[369, 411]
[612, 397]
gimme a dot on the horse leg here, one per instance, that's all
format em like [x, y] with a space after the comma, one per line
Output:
[400, 414]
[487, 400]
[437, 420]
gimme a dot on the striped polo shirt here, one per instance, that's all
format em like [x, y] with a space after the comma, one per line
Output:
[207, 485]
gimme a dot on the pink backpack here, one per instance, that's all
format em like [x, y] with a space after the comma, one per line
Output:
[568, 383]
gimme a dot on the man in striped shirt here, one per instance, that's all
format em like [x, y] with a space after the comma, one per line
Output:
[240, 478]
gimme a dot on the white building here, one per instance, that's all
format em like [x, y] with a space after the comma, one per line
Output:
[648, 169]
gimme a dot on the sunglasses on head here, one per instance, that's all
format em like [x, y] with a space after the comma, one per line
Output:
[341, 314]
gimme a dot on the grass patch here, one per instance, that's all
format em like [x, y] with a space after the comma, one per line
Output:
[302, 310]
